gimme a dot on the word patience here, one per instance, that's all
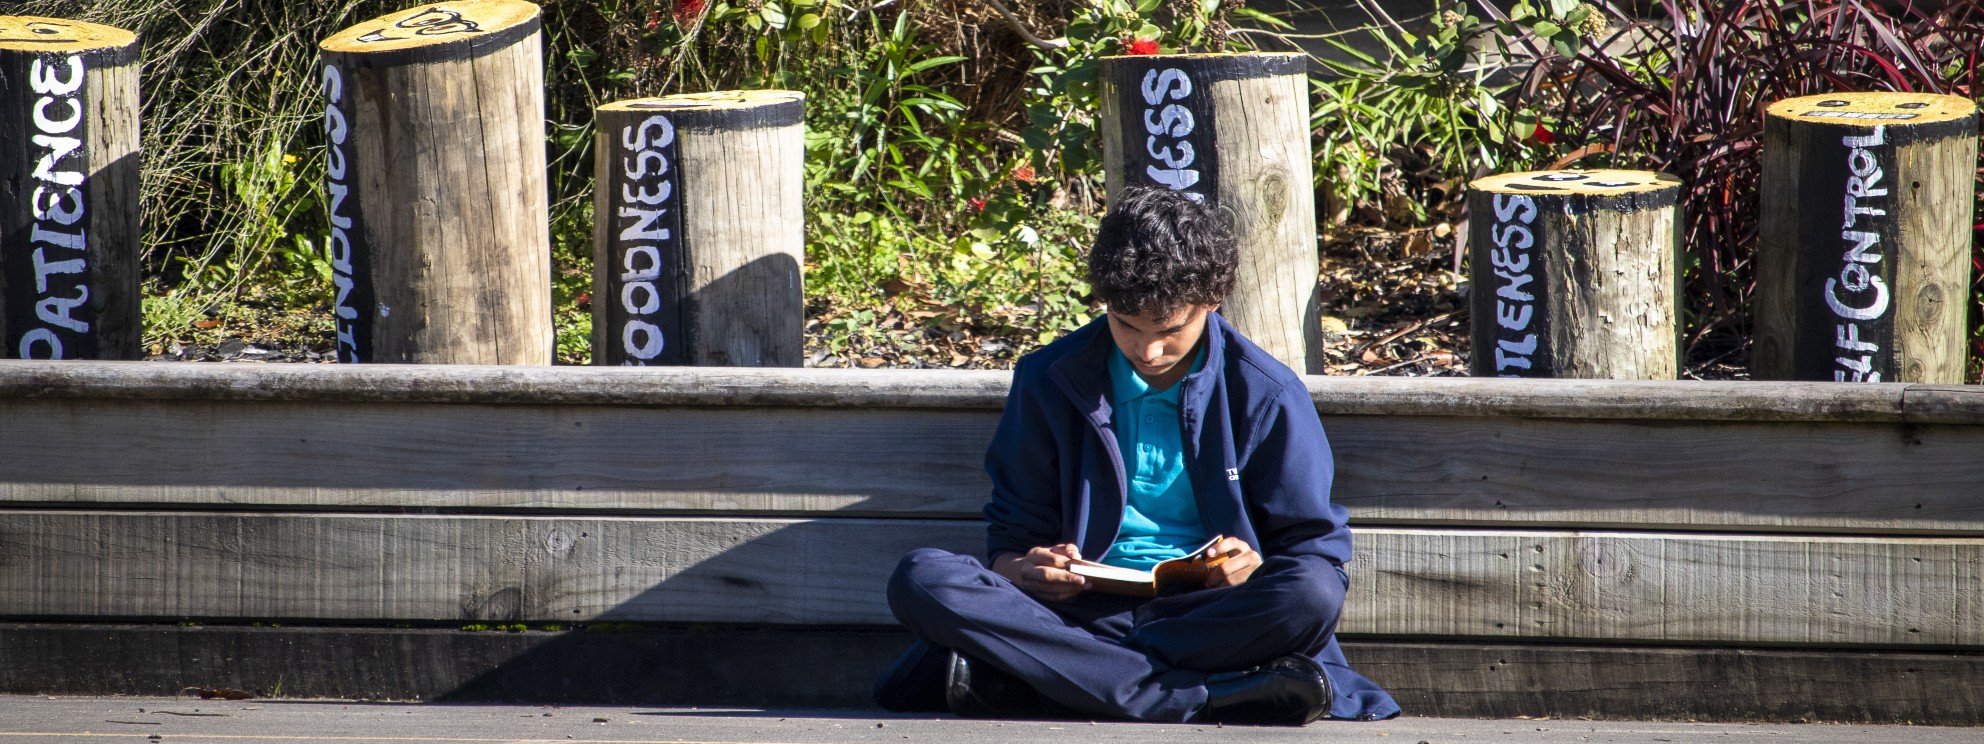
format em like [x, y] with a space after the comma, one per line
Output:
[57, 242]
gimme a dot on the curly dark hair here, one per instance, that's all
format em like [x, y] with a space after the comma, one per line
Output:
[1158, 250]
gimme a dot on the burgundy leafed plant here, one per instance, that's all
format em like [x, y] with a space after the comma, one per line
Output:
[1685, 93]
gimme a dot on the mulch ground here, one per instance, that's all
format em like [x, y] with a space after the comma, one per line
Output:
[1392, 305]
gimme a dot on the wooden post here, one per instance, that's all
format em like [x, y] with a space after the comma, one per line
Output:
[1232, 129]
[699, 230]
[440, 233]
[1573, 274]
[1863, 268]
[68, 190]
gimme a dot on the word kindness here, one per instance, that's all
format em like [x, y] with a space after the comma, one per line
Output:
[336, 131]
[1515, 308]
[57, 241]
[1169, 126]
[1858, 295]
[646, 228]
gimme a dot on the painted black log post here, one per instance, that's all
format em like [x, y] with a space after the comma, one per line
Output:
[1573, 274]
[1232, 129]
[68, 190]
[1863, 266]
[699, 230]
[440, 234]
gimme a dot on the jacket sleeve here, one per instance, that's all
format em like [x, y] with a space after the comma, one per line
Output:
[1024, 464]
[1286, 475]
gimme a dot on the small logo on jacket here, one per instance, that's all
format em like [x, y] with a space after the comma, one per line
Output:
[1233, 474]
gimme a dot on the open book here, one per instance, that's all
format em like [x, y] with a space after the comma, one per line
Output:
[1180, 574]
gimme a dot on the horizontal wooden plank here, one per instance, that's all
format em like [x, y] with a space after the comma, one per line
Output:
[1790, 476]
[1641, 586]
[751, 666]
[1728, 589]
[798, 461]
[716, 386]
[425, 456]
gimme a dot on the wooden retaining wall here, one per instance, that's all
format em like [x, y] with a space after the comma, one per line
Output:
[1554, 547]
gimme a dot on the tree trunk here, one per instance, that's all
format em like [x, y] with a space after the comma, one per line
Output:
[1574, 274]
[440, 234]
[1863, 270]
[699, 230]
[1232, 129]
[68, 190]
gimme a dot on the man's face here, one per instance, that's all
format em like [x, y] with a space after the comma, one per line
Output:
[1158, 347]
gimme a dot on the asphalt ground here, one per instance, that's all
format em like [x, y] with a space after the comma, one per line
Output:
[135, 720]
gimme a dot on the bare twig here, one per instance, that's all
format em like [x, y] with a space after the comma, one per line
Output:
[1020, 28]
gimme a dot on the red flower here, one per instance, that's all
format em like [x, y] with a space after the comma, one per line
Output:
[1024, 174]
[1543, 135]
[688, 11]
[977, 204]
[1143, 46]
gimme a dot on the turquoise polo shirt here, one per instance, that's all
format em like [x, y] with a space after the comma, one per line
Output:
[1161, 516]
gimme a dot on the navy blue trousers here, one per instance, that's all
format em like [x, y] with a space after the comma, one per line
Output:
[1123, 657]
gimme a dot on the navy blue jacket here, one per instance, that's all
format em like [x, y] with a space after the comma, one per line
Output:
[1255, 452]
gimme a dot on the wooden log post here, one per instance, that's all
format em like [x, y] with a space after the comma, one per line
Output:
[68, 190]
[1232, 129]
[1573, 274]
[1863, 266]
[699, 230]
[440, 233]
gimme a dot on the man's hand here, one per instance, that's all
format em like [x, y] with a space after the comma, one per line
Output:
[1043, 572]
[1241, 560]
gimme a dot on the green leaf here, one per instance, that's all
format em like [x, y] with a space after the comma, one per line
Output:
[1145, 7]
[1566, 43]
[1546, 29]
[1255, 15]
[809, 21]
[774, 17]
[926, 64]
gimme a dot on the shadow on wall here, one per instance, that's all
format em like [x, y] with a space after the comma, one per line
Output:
[815, 630]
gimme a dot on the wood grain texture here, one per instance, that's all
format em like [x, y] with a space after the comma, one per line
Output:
[1577, 274]
[1880, 298]
[448, 189]
[575, 459]
[1371, 396]
[723, 287]
[1265, 183]
[1652, 587]
[1636, 587]
[1232, 129]
[1684, 683]
[69, 201]
[1795, 477]
[1784, 476]
[750, 666]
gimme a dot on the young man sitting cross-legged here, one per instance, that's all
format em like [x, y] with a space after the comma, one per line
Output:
[1131, 441]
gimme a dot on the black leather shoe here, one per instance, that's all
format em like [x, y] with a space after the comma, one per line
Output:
[975, 689]
[1289, 691]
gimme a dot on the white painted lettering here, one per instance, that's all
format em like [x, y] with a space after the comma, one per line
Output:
[44, 203]
[43, 267]
[57, 126]
[42, 78]
[46, 338]
[1169, 82]
[56, 310]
